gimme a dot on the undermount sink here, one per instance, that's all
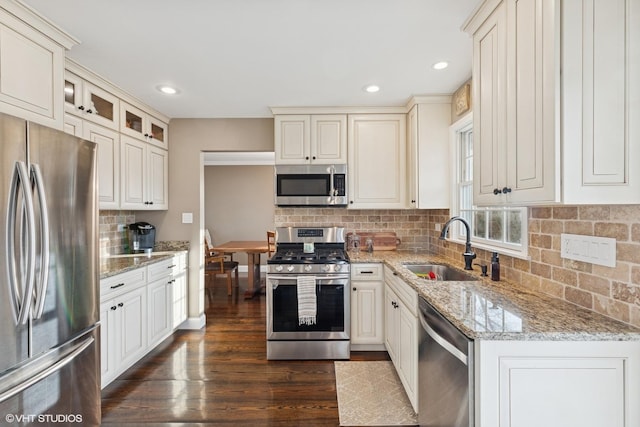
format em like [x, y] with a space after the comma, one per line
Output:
[439, 272]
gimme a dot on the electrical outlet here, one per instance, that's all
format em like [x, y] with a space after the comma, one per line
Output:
[438, 226]
[122, 227]
[591, 249]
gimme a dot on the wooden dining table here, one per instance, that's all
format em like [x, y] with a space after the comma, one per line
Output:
[253, 249]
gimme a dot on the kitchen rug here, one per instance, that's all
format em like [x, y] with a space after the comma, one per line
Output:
[371, 394]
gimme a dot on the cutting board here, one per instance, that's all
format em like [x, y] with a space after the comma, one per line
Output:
[382, 240]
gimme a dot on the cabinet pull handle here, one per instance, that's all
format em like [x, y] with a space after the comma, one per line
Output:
[114, 308]
[120, 304]
[81, 108]
[117, 286]
[506, 190]
[366, 272]
[90, 111]
[497, 191]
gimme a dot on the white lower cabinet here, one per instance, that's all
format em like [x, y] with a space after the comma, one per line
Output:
[179, 289]
[401, 332]
[159, 308]
[124, 332]
[367, 317]
[138, 310]
[557, 384]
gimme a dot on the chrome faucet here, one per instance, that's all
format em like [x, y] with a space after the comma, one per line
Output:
[468, 254]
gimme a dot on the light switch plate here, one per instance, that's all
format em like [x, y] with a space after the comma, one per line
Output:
[591, 249]
[187, 218]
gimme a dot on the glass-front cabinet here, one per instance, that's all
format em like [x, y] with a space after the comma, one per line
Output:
[140, 125]
[86, 100]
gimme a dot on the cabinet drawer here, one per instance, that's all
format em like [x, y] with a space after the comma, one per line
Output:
[405, 292]
[180, 261]
[160, 270]
[366, 272]
[121, 283]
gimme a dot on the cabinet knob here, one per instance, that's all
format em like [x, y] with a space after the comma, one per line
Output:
[146, 135]
[90, 111]
[355, 289]
[314, 157]
[506, 190]
[306, 158]
[413, 201]
[497, 191]
[351, 202]
[81, 108]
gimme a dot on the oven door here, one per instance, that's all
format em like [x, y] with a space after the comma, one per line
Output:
[333, 309]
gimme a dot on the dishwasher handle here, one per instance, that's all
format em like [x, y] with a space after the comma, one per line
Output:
[443, 342]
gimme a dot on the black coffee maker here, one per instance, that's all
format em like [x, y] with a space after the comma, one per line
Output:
[142, 237]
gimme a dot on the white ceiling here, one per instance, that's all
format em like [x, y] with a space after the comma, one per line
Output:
[237, 58]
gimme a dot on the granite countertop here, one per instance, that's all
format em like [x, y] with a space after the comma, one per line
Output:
[489, 310]
[116, 264]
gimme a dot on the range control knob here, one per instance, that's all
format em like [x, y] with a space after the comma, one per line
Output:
[326, 268]
[279, 268]
[290, 268]
[338, 267]
[307, 268]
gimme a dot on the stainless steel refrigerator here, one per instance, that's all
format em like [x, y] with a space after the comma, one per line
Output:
[49, 284]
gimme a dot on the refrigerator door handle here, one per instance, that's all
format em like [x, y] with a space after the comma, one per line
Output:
[55, 367]
[41, 285]
[21, 296]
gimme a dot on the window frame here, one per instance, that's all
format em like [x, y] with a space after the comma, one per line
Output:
[457, 231]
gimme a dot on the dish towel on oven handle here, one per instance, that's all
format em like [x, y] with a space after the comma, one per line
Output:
[307, 304]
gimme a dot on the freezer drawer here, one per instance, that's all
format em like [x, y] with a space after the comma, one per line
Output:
[60, 387]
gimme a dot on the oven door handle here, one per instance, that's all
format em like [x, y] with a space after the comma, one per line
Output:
[292, 277]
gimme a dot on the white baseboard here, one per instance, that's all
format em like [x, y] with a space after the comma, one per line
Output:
[194, 323]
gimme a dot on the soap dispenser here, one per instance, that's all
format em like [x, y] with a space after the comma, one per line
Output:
[495, 267]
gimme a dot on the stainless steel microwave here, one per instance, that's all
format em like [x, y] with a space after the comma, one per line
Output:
[311, 185]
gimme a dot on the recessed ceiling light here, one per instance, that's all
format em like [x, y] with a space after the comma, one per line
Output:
[372, 88]
[440, 65]
[167, 90]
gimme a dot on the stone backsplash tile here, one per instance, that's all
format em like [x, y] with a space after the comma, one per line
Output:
[112, 241]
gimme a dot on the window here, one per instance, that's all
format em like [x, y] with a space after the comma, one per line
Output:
[494, 228]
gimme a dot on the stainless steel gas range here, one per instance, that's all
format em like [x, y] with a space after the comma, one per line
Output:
[308, 305]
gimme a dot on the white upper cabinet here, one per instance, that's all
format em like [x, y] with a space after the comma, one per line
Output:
[601, 101]
[138, 124]
[556, 104]
[90, 102]
[428, 172]
[310, 139]
[108, 142]
[144, 176]
[377, 161]
[31, 66]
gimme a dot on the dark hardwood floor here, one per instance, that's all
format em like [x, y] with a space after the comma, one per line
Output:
[219, 375]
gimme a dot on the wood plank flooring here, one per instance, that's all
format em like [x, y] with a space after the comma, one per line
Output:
[220, 375]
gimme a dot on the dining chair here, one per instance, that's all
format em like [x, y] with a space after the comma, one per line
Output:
[216, 264]
[271, 243]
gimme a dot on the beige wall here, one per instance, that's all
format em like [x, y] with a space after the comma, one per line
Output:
[238, 204]
[614, 292]
[188, 139]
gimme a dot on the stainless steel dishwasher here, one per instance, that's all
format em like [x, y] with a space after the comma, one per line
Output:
[445, 372]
